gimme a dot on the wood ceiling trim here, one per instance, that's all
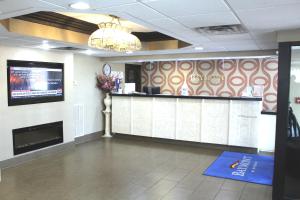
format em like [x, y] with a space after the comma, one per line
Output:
[69, 23]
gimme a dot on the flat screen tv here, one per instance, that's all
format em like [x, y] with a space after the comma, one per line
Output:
[34, 82]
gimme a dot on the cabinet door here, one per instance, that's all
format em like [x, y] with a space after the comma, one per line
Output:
[164, 118]
[142, 116]
[244, 119]
[188, 126]
[215, 119]
[121, 115]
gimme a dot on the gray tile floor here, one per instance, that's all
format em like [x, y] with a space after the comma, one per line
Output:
[123, 169]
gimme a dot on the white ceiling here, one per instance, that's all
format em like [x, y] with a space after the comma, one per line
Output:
[177, 18]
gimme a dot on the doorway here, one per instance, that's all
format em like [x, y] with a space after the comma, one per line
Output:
[286, 182]
[133, 75]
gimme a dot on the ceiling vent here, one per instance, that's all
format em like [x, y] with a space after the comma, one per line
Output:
[68, 49]
[222, 30]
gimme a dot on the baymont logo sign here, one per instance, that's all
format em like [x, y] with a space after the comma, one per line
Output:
[241, 167]
[198, 77]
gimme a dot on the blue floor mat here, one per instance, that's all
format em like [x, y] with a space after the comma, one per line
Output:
[251, 168]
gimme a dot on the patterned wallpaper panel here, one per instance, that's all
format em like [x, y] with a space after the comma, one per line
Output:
[215, 77]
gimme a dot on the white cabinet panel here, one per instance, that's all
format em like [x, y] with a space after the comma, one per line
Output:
[164, 118]
[267, 133]
[142, 116]
[188, 126]
[244, 119]
[215, 119]
[233, 122]
[121, 115]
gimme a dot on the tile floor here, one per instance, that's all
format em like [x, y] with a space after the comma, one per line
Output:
[123, 169]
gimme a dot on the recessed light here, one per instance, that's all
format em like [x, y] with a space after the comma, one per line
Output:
[80, 5]
[199, 48]
[88, 52]
[45, 46]
[129, 52]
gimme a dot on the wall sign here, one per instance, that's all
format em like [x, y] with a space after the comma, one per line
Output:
[198, 77]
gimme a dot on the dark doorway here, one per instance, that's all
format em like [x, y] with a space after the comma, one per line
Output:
[133, 75]
[286, 181]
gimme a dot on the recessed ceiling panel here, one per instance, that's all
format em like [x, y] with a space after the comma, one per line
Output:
[272, 18]
[178, 29]
[175, 8]
[12, 8]
[212, 19]
[253, 4]
[137, 10]
[93, 4]
[14, 5]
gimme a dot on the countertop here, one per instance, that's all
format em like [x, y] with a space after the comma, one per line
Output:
[191, 97]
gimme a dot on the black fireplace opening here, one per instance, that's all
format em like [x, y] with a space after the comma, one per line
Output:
[37, 137]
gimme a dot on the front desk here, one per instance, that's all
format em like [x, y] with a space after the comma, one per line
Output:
[215, 120]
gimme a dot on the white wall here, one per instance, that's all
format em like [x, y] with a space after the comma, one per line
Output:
[81, 68]
[86, 93]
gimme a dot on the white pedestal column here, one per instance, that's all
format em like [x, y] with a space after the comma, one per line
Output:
[107, 113]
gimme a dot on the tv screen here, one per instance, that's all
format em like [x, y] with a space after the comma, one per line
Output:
[34, 82]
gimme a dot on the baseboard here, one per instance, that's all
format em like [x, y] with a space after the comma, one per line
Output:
[89, 137]
[17, 160]
[188, 143]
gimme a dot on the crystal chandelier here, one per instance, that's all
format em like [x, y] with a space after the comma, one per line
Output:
[113, 36]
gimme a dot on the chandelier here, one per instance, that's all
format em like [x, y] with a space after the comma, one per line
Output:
[113, 36]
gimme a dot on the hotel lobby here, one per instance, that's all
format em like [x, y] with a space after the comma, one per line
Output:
[149, 99]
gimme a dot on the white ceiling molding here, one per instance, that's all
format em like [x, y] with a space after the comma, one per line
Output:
[192, 56]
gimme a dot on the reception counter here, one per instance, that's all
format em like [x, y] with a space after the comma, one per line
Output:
[215, 120]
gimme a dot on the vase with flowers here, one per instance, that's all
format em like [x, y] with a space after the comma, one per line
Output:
[106, 84]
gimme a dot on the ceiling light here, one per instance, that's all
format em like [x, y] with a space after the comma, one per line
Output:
[88, 52]
[199, 48]
[80, 6]
[129, 52]
[113, 36]
[45, 46]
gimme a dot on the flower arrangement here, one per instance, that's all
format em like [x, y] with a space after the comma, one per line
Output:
[105, 83]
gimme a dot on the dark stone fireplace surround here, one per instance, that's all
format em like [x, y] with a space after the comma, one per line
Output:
[36, 137]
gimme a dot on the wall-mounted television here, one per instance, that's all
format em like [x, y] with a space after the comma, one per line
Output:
[31, 82]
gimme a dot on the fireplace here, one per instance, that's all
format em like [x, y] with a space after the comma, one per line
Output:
[37, 137]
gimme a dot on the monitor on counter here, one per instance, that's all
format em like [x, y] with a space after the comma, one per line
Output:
[151, 90]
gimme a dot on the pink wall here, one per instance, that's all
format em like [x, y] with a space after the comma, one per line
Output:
[236, 76]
